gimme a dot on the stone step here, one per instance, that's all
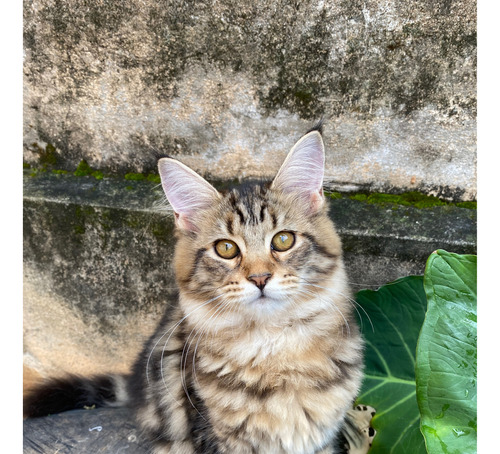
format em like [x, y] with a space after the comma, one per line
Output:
[97, 431]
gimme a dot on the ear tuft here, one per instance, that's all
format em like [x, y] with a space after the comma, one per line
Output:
[303, 170]
[186, 191]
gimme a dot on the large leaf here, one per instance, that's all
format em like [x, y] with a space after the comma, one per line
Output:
[446, 369]
[390, 326]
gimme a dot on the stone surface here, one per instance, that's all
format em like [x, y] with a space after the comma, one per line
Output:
[99, 431]
[98, 275]
[229, 86]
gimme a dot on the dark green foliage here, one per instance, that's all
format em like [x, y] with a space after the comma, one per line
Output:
[421, 359]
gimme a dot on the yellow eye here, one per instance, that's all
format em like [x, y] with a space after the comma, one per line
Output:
[283, 241]
[226, 249]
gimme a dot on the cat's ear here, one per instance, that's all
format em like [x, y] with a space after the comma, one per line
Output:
[303, 170]
[187, 192]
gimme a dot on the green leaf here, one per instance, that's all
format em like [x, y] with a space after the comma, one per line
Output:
[446, 369]
[391, 318]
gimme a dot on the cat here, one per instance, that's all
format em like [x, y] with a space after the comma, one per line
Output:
[261, 352]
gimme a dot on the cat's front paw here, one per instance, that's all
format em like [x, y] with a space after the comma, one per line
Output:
[361, 416]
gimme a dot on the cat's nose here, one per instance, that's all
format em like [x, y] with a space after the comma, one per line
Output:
[260, 280]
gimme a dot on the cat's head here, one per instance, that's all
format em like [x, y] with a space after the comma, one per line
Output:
[260, 251]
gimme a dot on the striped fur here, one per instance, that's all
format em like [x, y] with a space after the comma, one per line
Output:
[236, 367]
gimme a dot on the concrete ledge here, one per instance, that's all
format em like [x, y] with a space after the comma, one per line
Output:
[97, 263]
[103, 430]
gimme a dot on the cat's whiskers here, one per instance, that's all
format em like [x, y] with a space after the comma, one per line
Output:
[171, 331]
[354, 303]
[315, 294]
[220, 313]
[184, 358]
[188, 343]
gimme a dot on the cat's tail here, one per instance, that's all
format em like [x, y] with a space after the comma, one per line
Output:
[75, 392]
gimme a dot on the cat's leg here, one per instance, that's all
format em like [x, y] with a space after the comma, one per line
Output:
[357, 429]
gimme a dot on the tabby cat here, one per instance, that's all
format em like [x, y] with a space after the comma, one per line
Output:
[261, 352]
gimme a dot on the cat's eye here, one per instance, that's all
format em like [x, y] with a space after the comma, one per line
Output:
[227, 249]
[283, 241]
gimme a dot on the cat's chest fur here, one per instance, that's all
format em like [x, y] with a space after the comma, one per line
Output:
[281, 383]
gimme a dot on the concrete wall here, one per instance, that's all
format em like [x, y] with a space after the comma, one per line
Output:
[228, 87]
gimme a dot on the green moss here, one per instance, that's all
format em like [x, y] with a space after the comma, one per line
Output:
[359, 197]
[79, 229]
[132, 221]
[162, 230]
[82, 216]
[135, 176]
[154, 178]
[412, 198]
[35, 171]
[83, 169]
[50, 152]
[48, 157]
[470, 205]
[79, 221]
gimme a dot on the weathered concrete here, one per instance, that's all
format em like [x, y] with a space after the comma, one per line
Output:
[100, 431]
[97, 272]
[97, 263]
[229, 86]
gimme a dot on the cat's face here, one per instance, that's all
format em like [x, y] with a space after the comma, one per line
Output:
[256, 252]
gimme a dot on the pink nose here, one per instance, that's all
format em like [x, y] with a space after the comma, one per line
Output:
[260, 280]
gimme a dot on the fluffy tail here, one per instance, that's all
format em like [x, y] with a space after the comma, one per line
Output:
[73, 392]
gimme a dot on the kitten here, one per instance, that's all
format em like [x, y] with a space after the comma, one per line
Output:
[261, 352]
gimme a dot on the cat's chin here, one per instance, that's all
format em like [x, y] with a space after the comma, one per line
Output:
[265, 305]
[264, 300]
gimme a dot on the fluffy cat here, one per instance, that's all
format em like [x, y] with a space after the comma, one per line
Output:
[261, 352]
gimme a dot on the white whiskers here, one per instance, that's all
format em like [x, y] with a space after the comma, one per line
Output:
[219, 308]
[322, 299]
[172, 330]
[200, 330]
[354, 303]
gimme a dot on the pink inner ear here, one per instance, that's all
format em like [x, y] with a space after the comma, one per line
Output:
[317, 199]
[184, 222]
[187, 192]
[303, 169]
